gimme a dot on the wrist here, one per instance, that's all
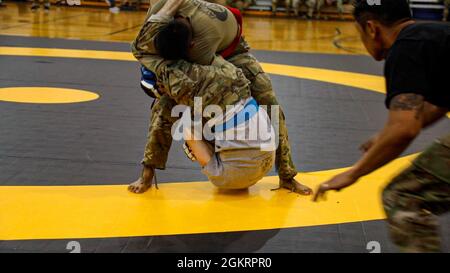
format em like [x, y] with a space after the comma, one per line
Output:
[354, 173]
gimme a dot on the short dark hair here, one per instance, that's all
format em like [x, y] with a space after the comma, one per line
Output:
[388, 13]
[173, 40]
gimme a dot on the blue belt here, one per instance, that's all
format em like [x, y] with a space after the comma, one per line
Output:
[250, 109]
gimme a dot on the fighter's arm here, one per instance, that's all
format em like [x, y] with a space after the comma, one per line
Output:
[432, 114]
[157, 18]
[143, 47]
[405, 122]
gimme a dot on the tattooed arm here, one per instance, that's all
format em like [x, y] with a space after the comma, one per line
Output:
[406, 120]
[404, 123]
[432, 114]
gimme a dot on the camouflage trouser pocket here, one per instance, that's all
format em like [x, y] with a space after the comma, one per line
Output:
[411, 202]
[260, 81]
[251, 69]
[436, 159]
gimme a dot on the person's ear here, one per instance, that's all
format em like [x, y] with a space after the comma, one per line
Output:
[372, 29]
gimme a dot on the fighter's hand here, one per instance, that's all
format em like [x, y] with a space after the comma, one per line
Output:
[366, 146]
[337, 183]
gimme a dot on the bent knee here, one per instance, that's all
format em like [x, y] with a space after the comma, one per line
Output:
[393, 192]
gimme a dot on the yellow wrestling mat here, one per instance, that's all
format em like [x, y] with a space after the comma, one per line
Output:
[54, 212]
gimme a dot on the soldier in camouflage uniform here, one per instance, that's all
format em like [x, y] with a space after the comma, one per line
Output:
[446, 8]
[206, 19]
[242, 5]
[224, 85]
[311, 4]
[415, 71]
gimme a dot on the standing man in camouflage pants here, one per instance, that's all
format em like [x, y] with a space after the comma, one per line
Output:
[35, 5]
[416, 55]
[446, 7]
[311, 4]
[214, 28]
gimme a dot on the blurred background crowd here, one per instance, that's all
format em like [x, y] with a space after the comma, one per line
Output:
[305, 9]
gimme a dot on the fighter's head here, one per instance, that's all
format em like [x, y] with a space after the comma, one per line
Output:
[174, 40]
[375, 20]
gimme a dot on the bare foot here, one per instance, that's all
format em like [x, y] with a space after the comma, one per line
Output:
[144, 182]
[295, 186]
[139, 186]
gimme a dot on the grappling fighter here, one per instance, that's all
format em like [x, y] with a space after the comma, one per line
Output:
[212, 29]
[240, 148]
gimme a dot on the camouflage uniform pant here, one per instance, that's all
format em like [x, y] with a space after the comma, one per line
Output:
[239, 4]
[262, 91]
[413, 200]
[160, 139]
[447, 6]
[311, 4]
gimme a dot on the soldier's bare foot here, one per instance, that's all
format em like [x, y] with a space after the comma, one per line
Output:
[295, 186]
[144, 182]
[139, 186]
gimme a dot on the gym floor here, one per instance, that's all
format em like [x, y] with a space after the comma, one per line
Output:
[73, 124]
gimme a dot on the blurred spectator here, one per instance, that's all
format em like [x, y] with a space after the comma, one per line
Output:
[447, 6]
[311, 4]
[240, 4]
[339, 3]
[112, 6]
[288, 4]
[35, 5]
[130, 4]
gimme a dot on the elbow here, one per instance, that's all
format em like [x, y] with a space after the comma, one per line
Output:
[409, 133]
[140, 48]
[136, 50]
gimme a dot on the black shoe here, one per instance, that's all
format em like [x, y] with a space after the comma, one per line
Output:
[35, 7]
[47, 7]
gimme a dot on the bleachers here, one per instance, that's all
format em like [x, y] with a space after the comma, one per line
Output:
[427, 9]
[422, 9]
[427, 4]
[261, 8]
